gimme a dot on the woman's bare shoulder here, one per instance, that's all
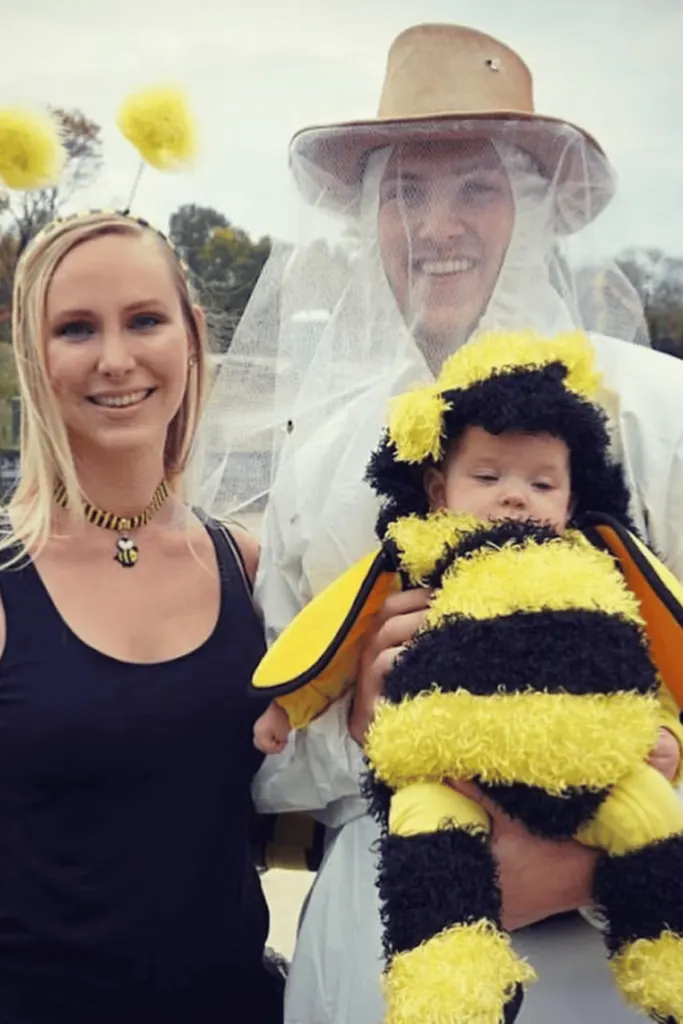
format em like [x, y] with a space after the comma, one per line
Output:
[249, 548]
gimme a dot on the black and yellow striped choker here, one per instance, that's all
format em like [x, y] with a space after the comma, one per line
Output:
[126, 552]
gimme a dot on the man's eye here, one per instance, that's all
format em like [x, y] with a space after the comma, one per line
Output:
[410, 193]
[479, 188]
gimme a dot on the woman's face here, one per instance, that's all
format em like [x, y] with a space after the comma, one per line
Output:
[446, 215]
[117, 345]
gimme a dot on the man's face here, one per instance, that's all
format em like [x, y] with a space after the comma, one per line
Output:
[445, 219]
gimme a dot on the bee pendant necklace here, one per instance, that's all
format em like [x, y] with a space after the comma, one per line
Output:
[126, 551]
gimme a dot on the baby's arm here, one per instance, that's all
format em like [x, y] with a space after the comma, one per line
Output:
[271, 729]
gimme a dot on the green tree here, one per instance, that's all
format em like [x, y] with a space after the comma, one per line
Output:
[8, 388]
[225, 264]
[191, 228]
[658, 279]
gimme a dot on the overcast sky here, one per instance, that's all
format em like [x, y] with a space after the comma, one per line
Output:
[257, 70]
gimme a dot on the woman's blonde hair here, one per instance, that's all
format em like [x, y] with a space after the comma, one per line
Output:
[45, 456]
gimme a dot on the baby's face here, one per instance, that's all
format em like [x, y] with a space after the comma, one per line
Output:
[505, 476]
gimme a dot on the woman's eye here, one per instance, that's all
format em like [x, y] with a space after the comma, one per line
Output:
[75, 330]
[145, 321]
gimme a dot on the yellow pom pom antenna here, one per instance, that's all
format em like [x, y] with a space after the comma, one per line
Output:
[415, 424]
[158, 122]
[31, 150]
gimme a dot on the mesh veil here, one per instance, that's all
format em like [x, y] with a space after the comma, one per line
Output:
[329, 335]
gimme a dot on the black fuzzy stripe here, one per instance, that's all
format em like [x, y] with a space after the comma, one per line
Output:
[433, 881]
[513, 1006]
[378, 796]
[575, 652]
[553, 817]
[641, 893]
[400, 484]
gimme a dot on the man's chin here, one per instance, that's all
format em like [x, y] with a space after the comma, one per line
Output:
[440, 337]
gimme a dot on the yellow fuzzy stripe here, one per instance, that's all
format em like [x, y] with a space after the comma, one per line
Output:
[496, 352]
[422, 540]
[466, 973]
[649, 972]
[551, 740]
[553, 576]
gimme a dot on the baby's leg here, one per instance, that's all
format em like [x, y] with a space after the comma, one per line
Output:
[639, 886]
[448, 958]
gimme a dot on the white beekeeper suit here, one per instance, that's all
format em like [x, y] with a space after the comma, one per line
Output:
[301, 402]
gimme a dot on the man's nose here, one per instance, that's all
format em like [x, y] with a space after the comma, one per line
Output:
[441, 216]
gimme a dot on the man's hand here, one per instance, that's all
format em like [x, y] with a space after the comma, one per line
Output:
[538, 877]
[398, 620]
[666, 757]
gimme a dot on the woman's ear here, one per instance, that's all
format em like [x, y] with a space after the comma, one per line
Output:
[435, 486]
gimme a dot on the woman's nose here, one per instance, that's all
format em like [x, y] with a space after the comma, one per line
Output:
[116, 357]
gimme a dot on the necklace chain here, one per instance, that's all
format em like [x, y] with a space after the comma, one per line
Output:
[126, 552]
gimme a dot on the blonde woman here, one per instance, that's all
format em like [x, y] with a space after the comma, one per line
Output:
[128, 637]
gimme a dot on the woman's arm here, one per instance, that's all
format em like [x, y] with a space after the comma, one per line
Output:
[249, 550]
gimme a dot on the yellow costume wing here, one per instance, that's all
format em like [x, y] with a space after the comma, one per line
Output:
[659, 592]
[314, 661]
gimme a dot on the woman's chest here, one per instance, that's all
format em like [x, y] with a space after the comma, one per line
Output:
[69, 716]
[151, 613]
[125, 674]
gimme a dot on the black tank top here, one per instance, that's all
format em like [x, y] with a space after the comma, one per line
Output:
[127, 892]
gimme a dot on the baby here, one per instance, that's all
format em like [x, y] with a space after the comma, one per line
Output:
[547, 670]
[512, 475]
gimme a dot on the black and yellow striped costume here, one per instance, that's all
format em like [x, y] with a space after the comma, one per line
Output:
[546, 667]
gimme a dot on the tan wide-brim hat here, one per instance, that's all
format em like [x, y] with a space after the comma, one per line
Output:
[446, 82]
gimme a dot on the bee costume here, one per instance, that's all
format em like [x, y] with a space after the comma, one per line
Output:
[545, 669]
